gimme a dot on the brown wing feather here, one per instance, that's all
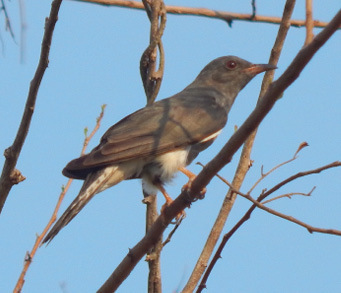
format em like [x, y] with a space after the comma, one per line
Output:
[162, 127]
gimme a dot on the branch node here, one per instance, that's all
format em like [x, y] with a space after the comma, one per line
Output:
[229, 22]
[16, 177]
[28, 257]
[8, 153]
[151, 257]
[130, 254]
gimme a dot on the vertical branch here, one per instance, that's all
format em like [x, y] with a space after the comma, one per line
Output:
[152, 78]
[309, 21]
[153, 255]
[9, 175]
[243, 165]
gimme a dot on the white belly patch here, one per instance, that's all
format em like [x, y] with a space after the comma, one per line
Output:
[163, 170]
[171, 162]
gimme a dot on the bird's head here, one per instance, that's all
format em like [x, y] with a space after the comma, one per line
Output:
[231, 71]
[229, 75]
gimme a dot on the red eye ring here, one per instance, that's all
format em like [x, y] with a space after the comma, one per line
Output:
[231, 64]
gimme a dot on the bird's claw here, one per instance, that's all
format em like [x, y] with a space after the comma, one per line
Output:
[188, 186]
[179, 217]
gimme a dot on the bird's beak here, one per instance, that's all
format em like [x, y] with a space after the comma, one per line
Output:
[258, 68]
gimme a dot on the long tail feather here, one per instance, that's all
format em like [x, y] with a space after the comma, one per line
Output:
[94, 183]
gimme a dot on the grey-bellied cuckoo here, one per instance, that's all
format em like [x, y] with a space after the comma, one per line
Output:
[158, 140]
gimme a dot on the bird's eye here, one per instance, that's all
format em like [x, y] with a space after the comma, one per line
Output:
[231, 64]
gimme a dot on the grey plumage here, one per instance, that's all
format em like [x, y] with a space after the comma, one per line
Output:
[154, 142]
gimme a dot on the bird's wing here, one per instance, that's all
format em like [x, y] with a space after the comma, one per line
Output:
[164, 126]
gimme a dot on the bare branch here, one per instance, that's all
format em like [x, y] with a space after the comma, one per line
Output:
[177, 224]
[7, 19]
[263, 175]
[310, 228]
[289, 195]
[13, 152]
[309, 21]
[252, 208]
[223, 15]
[244, 161]
[30, 255]
[153, 255]
[224, 157]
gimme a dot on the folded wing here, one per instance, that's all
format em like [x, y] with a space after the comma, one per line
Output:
[164, 126]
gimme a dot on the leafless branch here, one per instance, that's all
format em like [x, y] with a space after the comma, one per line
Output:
[301, 146]
[289, 195]
[30, 255]
[244, 161]
[153, 255]
[223, 15]
[7, 19]
[310, 228]
[224, 157]
[170, 235]
[253, 207]
[309, 21]
[12, 153]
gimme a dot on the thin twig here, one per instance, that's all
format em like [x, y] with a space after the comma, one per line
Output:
[224, 157]
[253, 207]
[310, 228]
[29, 256]
[12, 153]
[170, 235]
[303, 144]
[289, 195]
[7, 19]
[309, 21]
[205, 12]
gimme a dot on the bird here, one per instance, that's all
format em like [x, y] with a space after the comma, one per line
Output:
[157, 141]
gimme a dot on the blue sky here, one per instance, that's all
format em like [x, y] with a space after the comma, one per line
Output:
[94, 60]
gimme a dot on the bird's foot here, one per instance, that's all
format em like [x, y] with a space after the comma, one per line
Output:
[191, 176]
[179, 217]
[169, 200]
[188, 186]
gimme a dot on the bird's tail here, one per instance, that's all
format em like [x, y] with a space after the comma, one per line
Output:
[94, 183]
